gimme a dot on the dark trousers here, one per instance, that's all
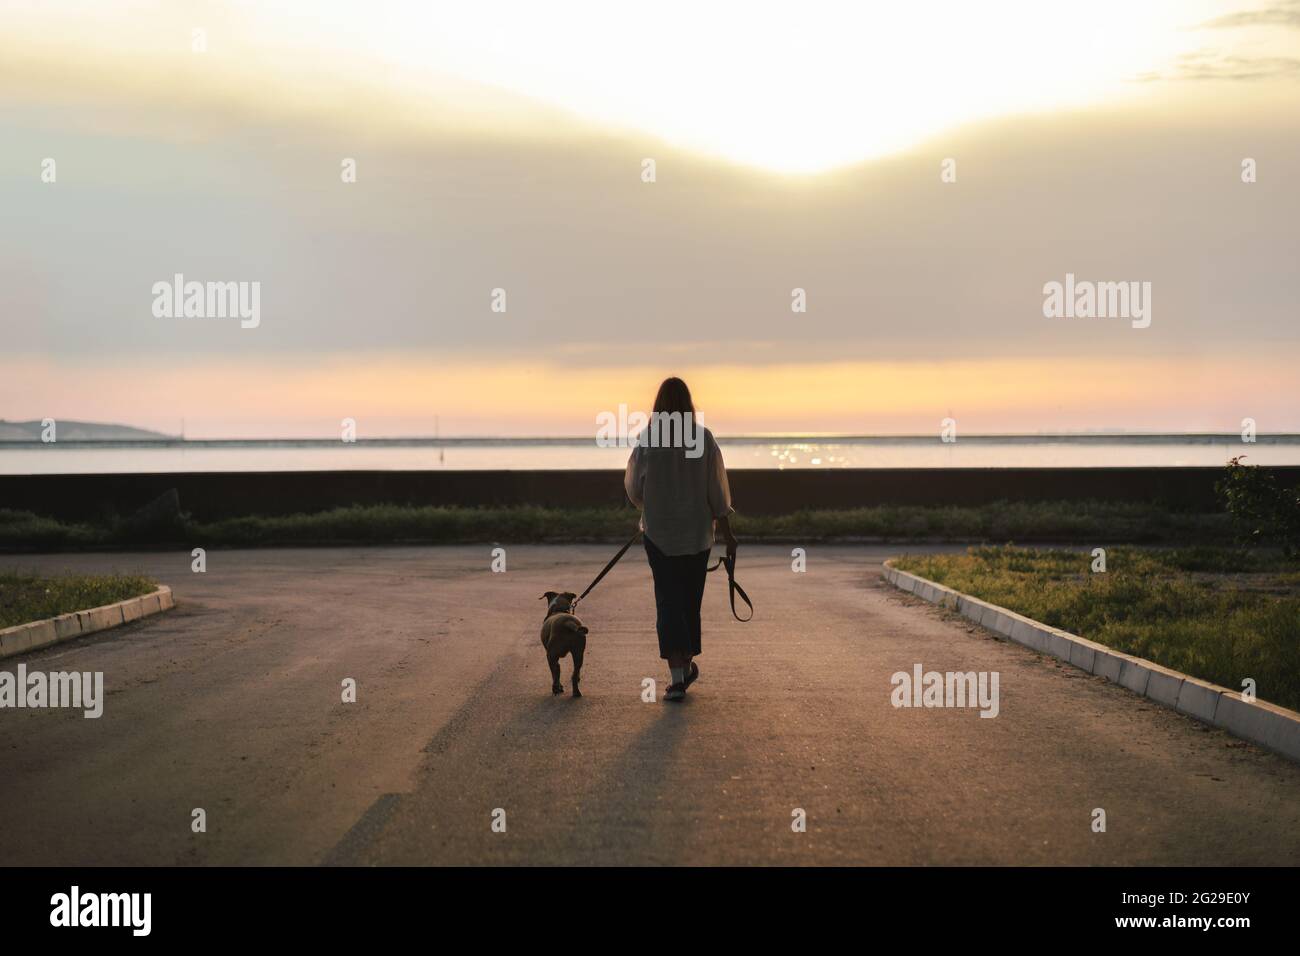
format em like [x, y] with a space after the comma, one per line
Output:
[679, 592]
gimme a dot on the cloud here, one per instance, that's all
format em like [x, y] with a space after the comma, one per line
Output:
[1213, 65]
[608, 275]
[603, 269]
[1285, 14]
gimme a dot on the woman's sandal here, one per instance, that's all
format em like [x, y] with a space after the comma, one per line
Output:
[675, 692]
[693, 676]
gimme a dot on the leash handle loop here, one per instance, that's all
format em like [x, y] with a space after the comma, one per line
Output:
[725, 561]
[729, 563]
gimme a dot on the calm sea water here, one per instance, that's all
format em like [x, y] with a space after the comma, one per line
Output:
[492, 454]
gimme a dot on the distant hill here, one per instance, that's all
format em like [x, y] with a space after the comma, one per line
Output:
[67, 430]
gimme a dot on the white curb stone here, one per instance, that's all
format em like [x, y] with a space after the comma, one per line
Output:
[1199, 699]
[1023, 632]
[42, 633]
[1108, 663]
[1259, 718]
[1058, 643]
[1083, 654]
[1135, 674]
[15, 640]
[1164, 685]
[132, 611]
[29, 637]
[66, 626]
[1262, 723]
[1242, 717]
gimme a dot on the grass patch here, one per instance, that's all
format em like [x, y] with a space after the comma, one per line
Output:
[1058, 522]
[30, 597]
[1220, 614]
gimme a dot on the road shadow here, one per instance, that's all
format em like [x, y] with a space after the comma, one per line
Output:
[567, 772]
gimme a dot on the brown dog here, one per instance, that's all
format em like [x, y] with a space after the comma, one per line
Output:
[562, 633]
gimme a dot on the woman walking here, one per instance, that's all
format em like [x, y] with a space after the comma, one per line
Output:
[676, 476]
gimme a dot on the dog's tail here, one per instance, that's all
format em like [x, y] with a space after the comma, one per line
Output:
[573, 625]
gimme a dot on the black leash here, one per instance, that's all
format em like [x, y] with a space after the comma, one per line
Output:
[612, 561]
[726, 560]
[729, 562]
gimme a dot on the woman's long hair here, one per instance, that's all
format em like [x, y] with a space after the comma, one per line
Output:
[674, 396]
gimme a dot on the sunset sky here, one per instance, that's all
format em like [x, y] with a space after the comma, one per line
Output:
[501, 145]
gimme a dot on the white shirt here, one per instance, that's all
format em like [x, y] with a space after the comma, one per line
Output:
[679, 497]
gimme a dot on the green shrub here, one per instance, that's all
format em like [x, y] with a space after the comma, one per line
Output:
[1264, 511]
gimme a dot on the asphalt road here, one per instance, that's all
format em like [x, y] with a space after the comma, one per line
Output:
[232, 703]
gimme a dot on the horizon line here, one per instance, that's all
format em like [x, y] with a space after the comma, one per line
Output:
[744, 438]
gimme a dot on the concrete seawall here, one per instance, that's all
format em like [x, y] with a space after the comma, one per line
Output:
[210, 495]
